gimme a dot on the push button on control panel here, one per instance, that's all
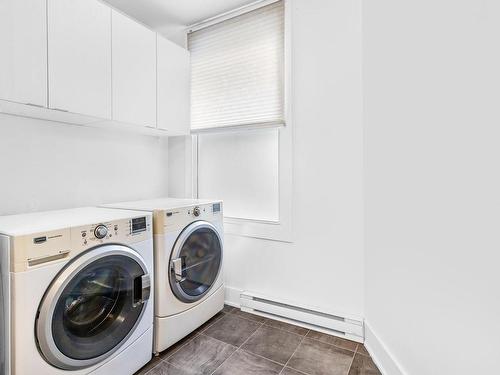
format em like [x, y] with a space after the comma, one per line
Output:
[100, 231]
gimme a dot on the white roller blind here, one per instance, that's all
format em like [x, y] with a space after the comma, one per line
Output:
[237, 70]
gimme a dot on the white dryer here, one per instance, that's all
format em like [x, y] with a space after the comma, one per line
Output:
[75, 292]
[189, 241]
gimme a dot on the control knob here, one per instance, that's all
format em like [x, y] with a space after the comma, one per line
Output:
[196, 211]
[100, 231]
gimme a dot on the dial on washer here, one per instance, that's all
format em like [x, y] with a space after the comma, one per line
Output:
[100, 231]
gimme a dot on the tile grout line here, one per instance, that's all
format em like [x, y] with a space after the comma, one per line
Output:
[273, 320]
[209, 337]
[250, 352]
[294, 369]
[213, 338]
[238, 348]
[295, 351]
[152, 368]
[253, 333]
[188, 341]
[160, 360]
[179, 348]
[282, 329]
[200, 333]
[335, 346]
[352, 361]
[215, 321]
[250, 319]
[363, 354]
[261, 356]
[338, 347]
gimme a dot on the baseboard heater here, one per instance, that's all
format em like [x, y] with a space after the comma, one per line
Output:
[341, 326]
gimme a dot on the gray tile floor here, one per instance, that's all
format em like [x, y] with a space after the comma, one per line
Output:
[237, 343]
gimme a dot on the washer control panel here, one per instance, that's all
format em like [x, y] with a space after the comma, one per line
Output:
[127, 231]
[38, 249]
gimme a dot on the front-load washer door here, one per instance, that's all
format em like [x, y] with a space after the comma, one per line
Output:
[92, 307]
[195, 262]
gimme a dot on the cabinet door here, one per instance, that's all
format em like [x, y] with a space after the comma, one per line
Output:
[134, 72]
[23, 51]
[173, 87]
[80, 57]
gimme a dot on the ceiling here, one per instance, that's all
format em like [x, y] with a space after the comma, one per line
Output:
[170, 16]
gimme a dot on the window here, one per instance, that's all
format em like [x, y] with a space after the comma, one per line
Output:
[241, 168]
[242, 146]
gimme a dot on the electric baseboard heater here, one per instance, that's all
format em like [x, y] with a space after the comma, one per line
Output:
[348, 328]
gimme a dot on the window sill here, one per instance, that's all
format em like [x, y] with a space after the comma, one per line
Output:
[261, 229]
[226, 128]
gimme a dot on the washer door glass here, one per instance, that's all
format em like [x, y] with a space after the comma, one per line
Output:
[90, 316]
[196, 261]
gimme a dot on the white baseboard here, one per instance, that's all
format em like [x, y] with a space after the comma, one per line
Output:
[232, 296]
[380, 354]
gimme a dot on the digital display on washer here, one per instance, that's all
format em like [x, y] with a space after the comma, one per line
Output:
[138, 225]
[216, 207]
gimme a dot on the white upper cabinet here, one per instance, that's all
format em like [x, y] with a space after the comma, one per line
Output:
[79, 50]
[173, 87]
[134, 72]
[82, 62]
[23, 51]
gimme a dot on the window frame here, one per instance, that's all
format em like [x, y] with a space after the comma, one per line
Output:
[280, 230]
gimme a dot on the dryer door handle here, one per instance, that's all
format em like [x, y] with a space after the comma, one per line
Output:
[177, 267]
[142, 289]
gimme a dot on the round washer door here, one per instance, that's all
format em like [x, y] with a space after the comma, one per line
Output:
[92, 307]
[195, 262]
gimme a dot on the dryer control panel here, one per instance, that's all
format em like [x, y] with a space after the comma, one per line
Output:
[171, 220]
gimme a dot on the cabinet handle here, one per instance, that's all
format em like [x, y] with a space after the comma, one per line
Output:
[60, 110]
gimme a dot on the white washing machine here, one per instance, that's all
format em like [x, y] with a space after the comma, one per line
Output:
[76, 288]
[189, 241]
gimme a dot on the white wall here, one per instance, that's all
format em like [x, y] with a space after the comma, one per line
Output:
[179, 182]
[323, 267]
[432, 121]
[47, 165]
